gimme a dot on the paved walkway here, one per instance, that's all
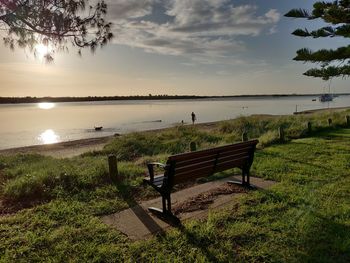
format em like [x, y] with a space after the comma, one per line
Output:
[138, 223]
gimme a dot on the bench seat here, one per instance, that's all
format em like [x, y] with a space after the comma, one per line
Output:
[157, 181]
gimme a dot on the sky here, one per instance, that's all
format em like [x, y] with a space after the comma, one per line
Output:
[182, 47]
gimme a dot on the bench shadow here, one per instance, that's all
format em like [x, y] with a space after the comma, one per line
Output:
[196, 242]
[289, 159]
[325, 246]
[151, 225]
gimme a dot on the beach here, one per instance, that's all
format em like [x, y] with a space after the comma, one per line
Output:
[63, 149]
[77, 147]
[322, 110]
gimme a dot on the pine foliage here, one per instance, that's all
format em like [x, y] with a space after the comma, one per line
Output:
[333, 62]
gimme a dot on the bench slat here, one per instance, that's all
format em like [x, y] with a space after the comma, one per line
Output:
[199, 169]
[194, 166]
[244, 156]
[210, 163]
[212, 156]
[190, 161]
[210, 167]
[232, 163]
[195, 175]
[206, 172]
[158, 180]
[198, 154]
[226, 166]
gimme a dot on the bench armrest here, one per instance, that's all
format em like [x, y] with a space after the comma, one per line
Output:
[150, 167]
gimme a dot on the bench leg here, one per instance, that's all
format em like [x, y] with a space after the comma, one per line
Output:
[164, 204]
[248, 179]
[248, 184]
[165, 213]
[169, 204]
[159, 211]
[245, 179]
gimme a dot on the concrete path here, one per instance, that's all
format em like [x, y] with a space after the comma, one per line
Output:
[194, 202]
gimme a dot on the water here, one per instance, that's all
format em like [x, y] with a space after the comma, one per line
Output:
[33, 124]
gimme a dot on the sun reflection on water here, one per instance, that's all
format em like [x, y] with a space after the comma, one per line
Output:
[46, 105]
[49, 137]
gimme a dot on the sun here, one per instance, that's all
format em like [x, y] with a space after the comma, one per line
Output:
[42, 50]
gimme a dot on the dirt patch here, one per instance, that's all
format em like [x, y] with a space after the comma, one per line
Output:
[10, 207]
[202, 201]
[5, 211]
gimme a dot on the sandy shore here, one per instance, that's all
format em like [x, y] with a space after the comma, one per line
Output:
[63, 149]
[322, 110]
[77, 147]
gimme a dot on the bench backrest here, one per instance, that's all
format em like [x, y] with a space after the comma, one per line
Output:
[193, 165]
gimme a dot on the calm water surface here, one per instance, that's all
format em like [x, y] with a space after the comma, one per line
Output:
[45, 123]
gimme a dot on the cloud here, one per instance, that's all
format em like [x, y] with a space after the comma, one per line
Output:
[196, 28]
[128, 9]
[218, 17]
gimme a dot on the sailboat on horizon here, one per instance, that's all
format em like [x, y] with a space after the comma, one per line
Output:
[326, 97]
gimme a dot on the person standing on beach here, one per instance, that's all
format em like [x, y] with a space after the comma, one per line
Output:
[193, 117]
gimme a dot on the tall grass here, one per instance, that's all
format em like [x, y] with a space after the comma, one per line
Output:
[171, 141]
[265, 127]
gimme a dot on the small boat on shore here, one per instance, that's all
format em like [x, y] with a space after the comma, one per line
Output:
[98, 128]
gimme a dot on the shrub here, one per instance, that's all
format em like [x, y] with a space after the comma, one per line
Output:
[268, 138]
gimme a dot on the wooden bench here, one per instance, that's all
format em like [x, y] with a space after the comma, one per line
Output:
[190, 166]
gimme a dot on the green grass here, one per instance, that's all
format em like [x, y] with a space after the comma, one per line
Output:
[304, 218]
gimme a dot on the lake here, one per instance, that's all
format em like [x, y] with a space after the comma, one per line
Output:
[46, 123]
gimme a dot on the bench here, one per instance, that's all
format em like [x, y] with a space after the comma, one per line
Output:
[190, 166]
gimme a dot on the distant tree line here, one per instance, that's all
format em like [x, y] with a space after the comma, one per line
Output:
[15, 100]
[4, 100]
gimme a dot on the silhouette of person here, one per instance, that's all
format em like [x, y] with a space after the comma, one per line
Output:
[193, 117]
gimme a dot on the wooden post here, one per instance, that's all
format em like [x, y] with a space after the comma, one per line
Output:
[244, 137]
[193, 147]
[113, 168]
[330, 122]
[347, 120]
[281, 133]
[309, 127]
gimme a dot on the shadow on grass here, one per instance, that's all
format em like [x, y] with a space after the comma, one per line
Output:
[154, 228]
[326, 241]
[339, 131]
[193, 240]
[292, 160]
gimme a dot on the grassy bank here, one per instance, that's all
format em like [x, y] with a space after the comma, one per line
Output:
[304, 218]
